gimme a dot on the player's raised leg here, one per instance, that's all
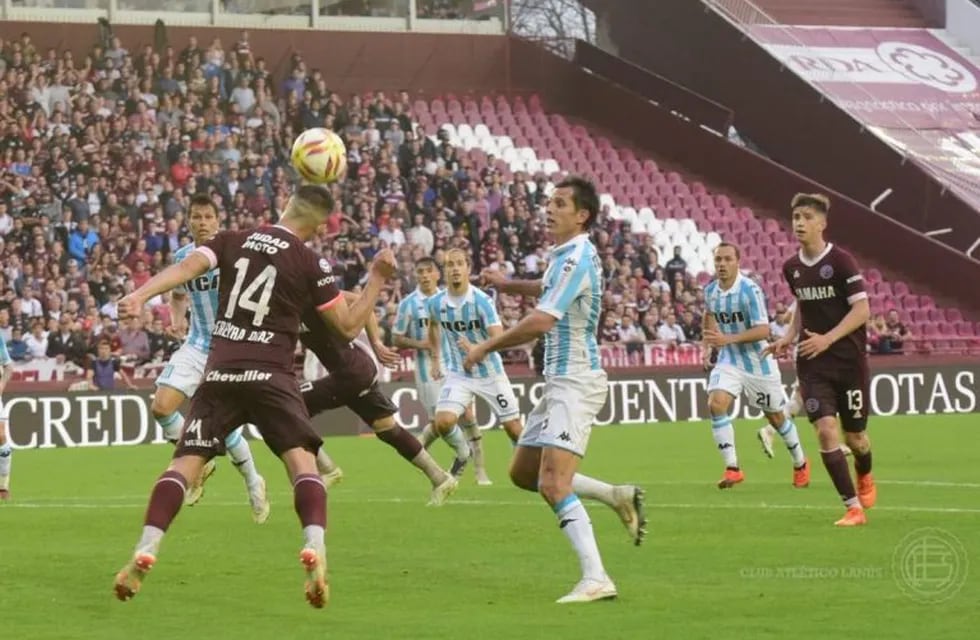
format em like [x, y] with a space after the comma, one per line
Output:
[409, 448]
[786, 428]
[241, 457]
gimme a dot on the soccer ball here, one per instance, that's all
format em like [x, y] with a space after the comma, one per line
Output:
[319, 156]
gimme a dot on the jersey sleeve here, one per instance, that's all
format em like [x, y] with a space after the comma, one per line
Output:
[851, 280]
[178, 256]
[755, 303]
[323, 286]
[565, 288]
[402, 318]
[488, 311]
[213, 248]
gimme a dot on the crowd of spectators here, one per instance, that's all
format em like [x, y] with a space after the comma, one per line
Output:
[100, 150]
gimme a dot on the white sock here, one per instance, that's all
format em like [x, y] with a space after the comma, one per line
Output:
[457, 440]
[171, 425]
[424, 461]
[6, 461]
[724, 434]
[313, 535]
[324, 464]
[587, 487]
[793, 406]
[150, 540]
[428, 436]
[574, 522]
[241, 456]
[792, 441]
[475, 438]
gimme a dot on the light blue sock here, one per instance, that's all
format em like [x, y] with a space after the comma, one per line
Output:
[457, 440]
[171, 426]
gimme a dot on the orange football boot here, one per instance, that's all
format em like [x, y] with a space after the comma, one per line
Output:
[867, 491]
[801, 476]
[853, 518]
[731, 478]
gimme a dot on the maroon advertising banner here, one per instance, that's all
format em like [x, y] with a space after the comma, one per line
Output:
[908, 86]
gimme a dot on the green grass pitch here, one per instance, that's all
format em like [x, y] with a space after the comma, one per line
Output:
[759, 561]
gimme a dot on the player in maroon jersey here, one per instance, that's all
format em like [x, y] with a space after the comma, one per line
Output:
[353, 382]
[269, 278]
[832, 358]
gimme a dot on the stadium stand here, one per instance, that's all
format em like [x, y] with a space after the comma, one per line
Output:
[100, 152]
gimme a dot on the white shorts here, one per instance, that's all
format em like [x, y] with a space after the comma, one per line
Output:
[763, 392]
[429, 395]
[564, 416]
[185, 370]
[3, 411]
[458, 392]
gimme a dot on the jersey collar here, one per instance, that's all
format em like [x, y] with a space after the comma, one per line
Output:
[577, 241]
[735, 284]
[468, 297]
[823, 254]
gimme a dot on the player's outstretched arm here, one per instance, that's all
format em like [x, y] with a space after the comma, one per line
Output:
[349, 321]
[530, 328]
[497, 280]
[176, 274]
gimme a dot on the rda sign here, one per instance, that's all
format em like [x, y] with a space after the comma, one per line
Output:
[48, 420]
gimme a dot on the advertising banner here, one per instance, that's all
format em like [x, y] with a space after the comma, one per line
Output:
[48, 419]
[908, 86]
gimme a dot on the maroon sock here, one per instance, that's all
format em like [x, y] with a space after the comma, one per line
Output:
[402, 441]
[862, 462]
[166, 500]
[310, 500]
[836, 463]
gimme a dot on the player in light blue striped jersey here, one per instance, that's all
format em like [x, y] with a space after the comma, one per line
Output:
[736, 323]
[558, 428]
[460, 315]
[6, 451]
[411, 331]
[185, 370]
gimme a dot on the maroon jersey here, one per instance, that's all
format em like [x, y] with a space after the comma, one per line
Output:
[825, 289]
[351, 359]
[268, 278]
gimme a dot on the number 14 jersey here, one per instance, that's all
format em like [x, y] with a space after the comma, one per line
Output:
[268, 278]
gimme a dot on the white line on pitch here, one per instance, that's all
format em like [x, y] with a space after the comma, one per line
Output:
[511, 503]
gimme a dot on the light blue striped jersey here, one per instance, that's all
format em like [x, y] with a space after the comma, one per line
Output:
[468, 317]
[412, 321]
[203, 294]
[4, 354]
[572, 293]
[739, 309]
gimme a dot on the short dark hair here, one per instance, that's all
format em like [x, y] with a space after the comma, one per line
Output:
[817, 201]
[317, 196]
[738, 252]
[584, 196]
[426, 260]
[203, 200]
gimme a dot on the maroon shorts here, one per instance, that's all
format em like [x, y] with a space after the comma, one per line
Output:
[837, 390]
[333, 392]
[228, 399]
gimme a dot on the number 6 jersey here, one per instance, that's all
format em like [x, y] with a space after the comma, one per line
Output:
[253, 328]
